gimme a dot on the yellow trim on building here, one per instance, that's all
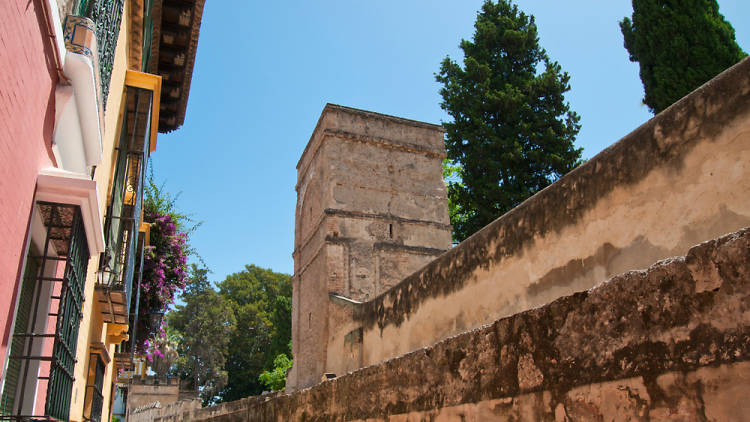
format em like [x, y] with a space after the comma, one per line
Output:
[152, 83]
[146, 230]
[117, 333]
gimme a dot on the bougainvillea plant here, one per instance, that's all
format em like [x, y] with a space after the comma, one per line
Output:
[164, 272]
[164, 276]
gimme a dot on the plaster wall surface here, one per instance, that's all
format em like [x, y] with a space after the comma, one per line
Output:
[681, 178]
[671, 342]
[27, 116]
[92, 328]
[64, 8]
[371, 210]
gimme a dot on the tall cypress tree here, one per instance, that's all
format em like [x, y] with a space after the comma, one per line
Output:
[679, 45]
[512, 131]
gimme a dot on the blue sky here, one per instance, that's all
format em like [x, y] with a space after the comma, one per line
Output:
[264, 71]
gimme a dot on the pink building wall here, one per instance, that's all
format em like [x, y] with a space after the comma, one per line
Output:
[27, 115]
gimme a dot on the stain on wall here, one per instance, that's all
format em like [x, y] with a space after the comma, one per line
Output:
[679, 179]
[645, 345]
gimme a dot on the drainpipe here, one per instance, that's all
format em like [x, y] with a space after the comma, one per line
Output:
[53, 39]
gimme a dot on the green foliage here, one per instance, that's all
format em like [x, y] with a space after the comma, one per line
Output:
[512, 131]
[679, 46]
[275, 380]
[452, 175]
[261, 301]
[226, 338]
[157, 200]
[203, 328]
[164, 271]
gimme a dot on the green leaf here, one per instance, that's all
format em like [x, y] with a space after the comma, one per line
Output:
[679, 46]
[512, 132]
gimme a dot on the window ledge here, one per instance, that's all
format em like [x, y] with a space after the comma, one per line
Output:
[64, 187]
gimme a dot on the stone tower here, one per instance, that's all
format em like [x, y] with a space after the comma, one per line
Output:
[371, 210]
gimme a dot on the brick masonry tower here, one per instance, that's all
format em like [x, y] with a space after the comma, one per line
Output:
[371, 210]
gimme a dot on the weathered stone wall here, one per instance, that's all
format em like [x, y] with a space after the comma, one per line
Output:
[371, 210]
[679, 179]
[482, 332]
[145, 392]
[668, 343]
[159, 412]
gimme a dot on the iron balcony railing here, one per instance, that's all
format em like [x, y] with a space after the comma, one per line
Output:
[107, 15]
[123, 252]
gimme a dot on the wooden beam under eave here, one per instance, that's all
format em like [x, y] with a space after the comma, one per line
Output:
[175, 53]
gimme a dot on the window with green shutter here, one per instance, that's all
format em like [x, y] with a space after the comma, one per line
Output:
[13, 372]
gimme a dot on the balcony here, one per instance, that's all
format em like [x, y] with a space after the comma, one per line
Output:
[124, 367]
[77, 142]
[129, 367]
[107, 16]
[121, 262]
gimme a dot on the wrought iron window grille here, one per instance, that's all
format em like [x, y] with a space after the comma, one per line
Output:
[94, 388]
[43, 356]
[136, 304]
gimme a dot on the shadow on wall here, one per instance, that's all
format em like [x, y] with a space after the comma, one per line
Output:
[679, 179]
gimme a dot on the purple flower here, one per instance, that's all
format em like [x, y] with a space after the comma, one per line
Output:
[164, 273]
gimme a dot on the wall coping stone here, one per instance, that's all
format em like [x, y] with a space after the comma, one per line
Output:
[660, 142]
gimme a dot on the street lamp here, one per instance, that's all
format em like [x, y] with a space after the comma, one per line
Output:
[156, 316]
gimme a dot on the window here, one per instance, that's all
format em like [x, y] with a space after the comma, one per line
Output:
[99, 358]
[48, 315]
[123, 218]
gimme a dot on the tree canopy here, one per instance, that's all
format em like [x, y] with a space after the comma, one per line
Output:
[261, 302]
[275, 379]
[229, 335]
[679, 45]
[203, 327]
[512, 131]
[221, 337]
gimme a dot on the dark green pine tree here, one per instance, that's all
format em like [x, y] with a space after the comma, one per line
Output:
[512, 131]
[679, 45]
